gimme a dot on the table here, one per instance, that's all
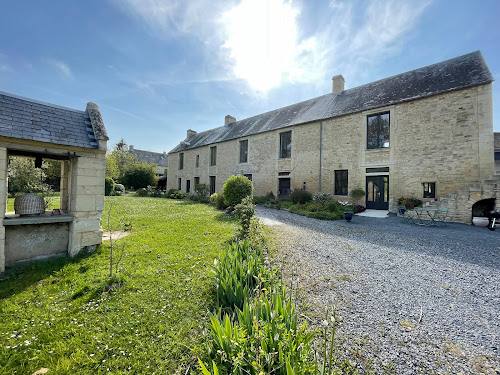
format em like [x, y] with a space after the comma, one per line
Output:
[426, 213]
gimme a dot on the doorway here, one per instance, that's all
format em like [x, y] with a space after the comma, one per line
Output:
[377, 192]
[284, 187]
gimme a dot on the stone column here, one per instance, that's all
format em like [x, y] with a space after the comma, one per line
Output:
[65, 185]
[3, 202]
[485, 128]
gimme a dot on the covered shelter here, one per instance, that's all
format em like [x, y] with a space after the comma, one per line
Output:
[78, 139]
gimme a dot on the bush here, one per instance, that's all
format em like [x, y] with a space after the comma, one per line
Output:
[301, 196]
[176, 194]
[410, 203]
[236, 188]
[202, 191]
[322, 197]
[245, 212]
[141, 192]
[217, 199]
[357, 194]
[119, 189]
[359, 208]
[140, 175]
[109, 186]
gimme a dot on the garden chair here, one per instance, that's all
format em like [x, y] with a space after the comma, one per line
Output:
[440, 216]
[408, 215]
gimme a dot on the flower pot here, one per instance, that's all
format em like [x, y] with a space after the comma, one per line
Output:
[480, 221]
[348, 216]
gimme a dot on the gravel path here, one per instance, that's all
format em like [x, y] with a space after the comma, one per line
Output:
[413, 300]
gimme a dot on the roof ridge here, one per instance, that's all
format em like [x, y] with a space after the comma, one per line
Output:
[40, 102]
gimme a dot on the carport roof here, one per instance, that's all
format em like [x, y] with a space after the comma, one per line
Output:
[454, 74]
[25, 118]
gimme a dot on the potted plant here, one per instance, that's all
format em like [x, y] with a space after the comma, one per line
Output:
[348, 209]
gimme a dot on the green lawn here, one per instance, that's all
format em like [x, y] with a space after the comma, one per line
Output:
[55, 315]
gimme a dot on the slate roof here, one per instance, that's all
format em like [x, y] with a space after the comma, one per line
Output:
[454, 74]
[38, 121]
[150, 157]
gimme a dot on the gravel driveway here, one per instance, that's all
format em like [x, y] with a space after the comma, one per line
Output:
[413, 300]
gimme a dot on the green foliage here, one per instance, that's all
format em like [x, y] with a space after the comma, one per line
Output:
[245, 212]
[322, 197]
[139, 175]
[236, 188]
[264, 199]
[52, 170]
[109, 186]
[300, 196]
[118, 161]
[410, 203]
[176, 194]
[357, 194]
[119, 189]
[202, 191]
[66, 307]
[24, 177]
[217, 199]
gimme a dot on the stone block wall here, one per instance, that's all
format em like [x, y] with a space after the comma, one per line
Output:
[86, 201]
[445, 138]
[3, 202]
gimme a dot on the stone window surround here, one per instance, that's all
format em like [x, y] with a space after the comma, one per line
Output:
[364, 127]
[239, 151]
[213, 156]
[280, 155]
[379, 131]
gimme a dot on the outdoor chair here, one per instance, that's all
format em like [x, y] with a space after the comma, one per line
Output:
[440, 216]
[408, 215]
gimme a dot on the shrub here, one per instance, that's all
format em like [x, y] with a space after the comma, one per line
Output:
[176, 194]
[410, 203]
[217, 199]
[236, 188]
[141, 192]
[109, 185]
[202, 191]
[359, 208]
[301, 196]
[119, 189]
[322, 197]
[357, 194]
[139, 175]
[245, 211]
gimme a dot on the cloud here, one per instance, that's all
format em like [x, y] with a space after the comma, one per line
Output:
[62, 67]
[121, 111]
[263, 43]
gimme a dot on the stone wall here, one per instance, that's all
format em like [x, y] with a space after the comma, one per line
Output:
[446, 139]
[3, 201]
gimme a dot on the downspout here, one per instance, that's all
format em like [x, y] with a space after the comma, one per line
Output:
[320, 152]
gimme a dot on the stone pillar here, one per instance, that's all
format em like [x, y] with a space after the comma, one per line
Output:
[3, 202]
[86, 202]
[485, 129]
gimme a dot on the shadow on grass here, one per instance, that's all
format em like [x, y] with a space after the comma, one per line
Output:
[21, 276]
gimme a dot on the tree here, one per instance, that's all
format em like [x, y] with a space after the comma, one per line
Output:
[139, 175]
[118, 160]
[24, 177]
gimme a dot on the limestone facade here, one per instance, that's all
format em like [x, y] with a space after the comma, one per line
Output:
[445, 139]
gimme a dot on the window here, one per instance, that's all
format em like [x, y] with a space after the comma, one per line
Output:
[197, 161]
[249, 176]
[212, 185]
[377, 170]
[179, 184]
[341, 182]
[188, 186]
[181, 160]
[196, 181]
[377, 131]
[213, 156]
[429, 189]
[286, 145]
[244, 151]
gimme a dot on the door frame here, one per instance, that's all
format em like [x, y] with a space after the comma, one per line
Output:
[380, 204]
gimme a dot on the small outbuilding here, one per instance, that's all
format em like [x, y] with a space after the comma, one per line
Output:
[78, 139]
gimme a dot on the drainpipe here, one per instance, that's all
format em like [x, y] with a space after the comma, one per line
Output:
[320, 151]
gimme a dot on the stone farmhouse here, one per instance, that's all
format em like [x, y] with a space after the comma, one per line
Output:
[426, 133]
[38, 130]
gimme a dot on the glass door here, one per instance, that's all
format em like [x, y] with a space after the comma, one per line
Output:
[377, 192]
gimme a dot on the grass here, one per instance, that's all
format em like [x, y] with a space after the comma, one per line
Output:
[58, 315]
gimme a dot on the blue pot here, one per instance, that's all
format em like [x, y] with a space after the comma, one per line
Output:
[348, 216]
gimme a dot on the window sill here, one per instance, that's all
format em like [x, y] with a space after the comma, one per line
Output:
[377, 149]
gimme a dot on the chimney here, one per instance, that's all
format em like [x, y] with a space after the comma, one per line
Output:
[229, 120]
[131, 147]
[190, 133]
[338, 84]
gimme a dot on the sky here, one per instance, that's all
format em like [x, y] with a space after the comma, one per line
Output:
[156, 68]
